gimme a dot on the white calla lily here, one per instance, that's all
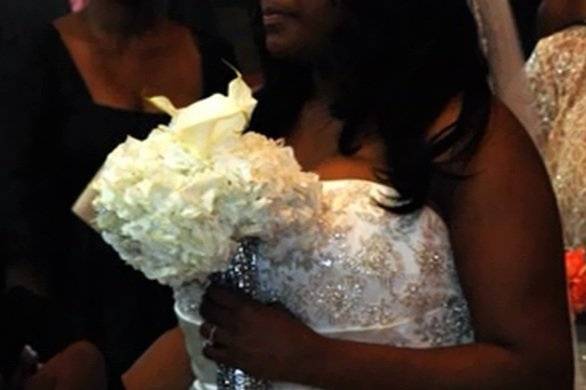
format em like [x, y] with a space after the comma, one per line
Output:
[212, 122]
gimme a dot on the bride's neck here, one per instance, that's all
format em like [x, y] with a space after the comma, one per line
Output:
[324, 88]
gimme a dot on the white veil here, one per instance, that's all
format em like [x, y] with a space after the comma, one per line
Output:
[500, 42]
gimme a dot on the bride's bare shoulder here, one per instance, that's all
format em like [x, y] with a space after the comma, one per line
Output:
[505, 154]
[504, 141]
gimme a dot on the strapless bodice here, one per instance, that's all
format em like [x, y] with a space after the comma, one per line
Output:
[369, 275]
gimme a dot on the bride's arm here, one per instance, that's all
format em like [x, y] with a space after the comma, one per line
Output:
[506, 236]
[164, 366]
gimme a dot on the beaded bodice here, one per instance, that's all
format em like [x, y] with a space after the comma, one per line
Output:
[369, 275]
[372, 275]
[557, 74]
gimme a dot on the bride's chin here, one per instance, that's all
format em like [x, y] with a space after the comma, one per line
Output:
[277, 45]
[280, 47]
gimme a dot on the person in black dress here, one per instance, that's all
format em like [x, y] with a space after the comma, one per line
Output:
[63, 109]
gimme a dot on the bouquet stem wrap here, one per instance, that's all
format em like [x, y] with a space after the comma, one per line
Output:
[241, 275]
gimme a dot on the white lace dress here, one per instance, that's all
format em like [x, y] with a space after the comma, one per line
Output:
[371, 276]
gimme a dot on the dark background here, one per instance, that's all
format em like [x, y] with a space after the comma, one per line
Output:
[227, 18]
[526, 13]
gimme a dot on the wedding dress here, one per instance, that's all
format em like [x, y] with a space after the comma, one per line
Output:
[557, 74]
[370, 276]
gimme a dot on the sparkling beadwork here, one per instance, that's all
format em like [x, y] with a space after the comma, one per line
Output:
[371, 269]
[242, 275]
[557, 74]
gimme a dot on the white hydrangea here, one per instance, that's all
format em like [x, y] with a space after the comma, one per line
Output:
[175, 205]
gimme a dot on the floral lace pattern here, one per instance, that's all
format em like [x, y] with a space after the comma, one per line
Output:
[372, 275]
[557, 74]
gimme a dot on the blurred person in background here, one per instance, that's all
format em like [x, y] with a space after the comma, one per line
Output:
[78, 367]
[64, 105]
[78, 5]
[557, 73]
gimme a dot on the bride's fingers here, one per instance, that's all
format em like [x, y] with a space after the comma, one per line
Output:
[215, 314]
[207, 329]
[224, 297]
[215, 335]
[218, 354]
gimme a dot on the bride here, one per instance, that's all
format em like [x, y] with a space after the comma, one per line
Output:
[439, 262]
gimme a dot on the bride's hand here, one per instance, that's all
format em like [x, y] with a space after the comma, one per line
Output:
[265, 341]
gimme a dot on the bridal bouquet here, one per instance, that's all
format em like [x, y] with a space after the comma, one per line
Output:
[196, 197]
[176, 205]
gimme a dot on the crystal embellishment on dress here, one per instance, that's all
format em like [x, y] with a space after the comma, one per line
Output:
[557, 73]
[371, 269]
[370, 276]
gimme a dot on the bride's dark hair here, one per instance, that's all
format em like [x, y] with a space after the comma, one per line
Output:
[395, 64]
